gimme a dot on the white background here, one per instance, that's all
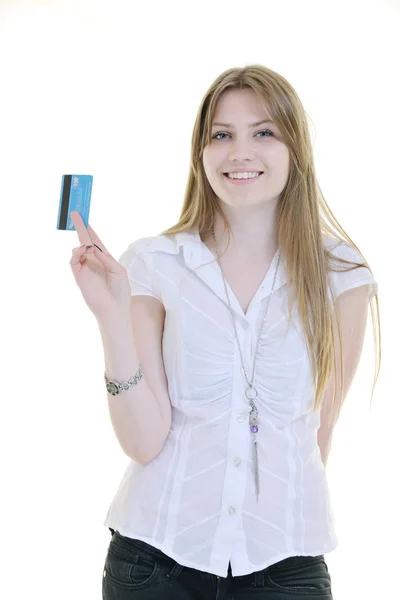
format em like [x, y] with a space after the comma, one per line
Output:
[111, 88]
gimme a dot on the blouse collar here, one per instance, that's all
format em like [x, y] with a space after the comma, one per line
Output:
[199, 258]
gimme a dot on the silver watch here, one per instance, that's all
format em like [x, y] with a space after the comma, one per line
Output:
[114, 387]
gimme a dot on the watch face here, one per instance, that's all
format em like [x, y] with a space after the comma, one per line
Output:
[112, 388]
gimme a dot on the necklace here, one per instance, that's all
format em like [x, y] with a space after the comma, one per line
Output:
[251, 392]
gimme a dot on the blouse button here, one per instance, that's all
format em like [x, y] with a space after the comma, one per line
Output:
[237, 461]
[240, 418]
[231, 510]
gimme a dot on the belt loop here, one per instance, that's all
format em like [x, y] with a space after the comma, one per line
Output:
[259, 578]
[175, 572]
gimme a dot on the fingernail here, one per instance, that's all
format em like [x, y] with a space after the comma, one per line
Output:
[89, 247]
[98, 247]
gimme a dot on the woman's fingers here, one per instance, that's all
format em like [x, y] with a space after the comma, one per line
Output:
[88, 237]
[111, 265]
[95, 239]
[77, 254]
[83, 234]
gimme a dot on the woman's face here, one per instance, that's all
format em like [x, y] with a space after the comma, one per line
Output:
[238, 144]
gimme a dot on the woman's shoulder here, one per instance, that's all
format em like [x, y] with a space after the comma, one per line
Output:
[347, 275]
[341, 249]
[331, 242]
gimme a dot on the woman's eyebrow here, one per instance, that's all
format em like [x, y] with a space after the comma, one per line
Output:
[250, 125]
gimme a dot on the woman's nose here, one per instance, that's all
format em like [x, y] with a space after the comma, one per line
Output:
[241, 149]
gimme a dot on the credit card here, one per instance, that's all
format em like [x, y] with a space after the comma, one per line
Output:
[76, 191]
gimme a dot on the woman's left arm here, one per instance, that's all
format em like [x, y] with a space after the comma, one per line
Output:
[352, 312]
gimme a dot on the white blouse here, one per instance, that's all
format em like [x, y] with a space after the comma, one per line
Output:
[196, 500]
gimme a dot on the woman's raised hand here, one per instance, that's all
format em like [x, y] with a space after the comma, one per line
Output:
[102, 280]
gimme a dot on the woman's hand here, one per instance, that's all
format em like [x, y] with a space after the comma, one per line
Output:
[102, 280]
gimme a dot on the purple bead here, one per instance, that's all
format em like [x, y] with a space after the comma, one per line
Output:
[254, 428]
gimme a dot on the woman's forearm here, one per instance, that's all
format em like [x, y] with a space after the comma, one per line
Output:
[135, 413]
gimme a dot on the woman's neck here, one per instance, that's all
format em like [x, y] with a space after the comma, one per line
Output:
[253, 238]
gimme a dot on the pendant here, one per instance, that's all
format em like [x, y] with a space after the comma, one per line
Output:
[254, 421]
[253, 417]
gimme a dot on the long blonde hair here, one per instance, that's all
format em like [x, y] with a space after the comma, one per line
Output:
[302, 216]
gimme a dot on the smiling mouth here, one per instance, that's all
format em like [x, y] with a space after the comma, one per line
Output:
[243, 178]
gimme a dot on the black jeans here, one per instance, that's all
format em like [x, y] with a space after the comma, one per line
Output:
[135, 570]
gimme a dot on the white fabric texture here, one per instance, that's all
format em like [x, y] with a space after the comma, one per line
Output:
[196, 500]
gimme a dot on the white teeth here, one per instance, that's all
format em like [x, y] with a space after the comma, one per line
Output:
[243, 175]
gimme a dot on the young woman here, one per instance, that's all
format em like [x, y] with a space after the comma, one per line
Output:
[230, 343]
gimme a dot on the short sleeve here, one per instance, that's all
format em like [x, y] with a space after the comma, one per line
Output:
[138, 266]
[347, 280]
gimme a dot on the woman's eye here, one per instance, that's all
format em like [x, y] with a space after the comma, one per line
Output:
[263, 131]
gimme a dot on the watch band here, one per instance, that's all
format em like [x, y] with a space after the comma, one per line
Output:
[114, 387]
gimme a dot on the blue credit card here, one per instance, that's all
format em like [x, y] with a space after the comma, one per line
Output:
[76, 191]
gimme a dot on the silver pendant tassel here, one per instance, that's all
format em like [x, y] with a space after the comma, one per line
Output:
[256, 471]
